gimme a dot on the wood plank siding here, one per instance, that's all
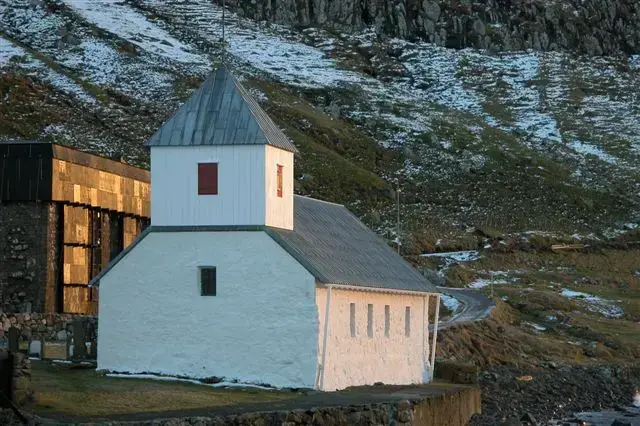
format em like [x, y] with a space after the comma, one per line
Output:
[240, 198]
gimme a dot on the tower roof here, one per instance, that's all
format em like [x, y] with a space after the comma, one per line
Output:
[221, 112]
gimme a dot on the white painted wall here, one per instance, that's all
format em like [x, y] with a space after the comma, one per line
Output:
[241, 182]
[279, 210]
[364, 360]
[261, 327]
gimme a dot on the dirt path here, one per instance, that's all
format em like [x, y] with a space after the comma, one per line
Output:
[476, 306]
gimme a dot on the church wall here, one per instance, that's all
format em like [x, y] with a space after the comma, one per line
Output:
[364, 360]
[279, 209]
[260, 327]
[174, 178]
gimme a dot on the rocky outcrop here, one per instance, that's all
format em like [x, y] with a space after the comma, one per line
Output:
[593, 27]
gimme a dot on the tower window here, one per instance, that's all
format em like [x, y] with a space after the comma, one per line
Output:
[280, 180]
[207, 178]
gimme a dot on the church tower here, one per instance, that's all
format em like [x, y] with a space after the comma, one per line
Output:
[221, 161]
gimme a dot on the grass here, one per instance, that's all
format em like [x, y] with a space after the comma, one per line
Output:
[82, 392]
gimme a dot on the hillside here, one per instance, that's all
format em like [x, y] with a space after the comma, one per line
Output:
[505, 142]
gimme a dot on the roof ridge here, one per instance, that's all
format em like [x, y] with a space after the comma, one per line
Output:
[319, 200]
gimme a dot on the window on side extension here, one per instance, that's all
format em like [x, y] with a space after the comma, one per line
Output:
[407, 321]
[280, 180]
[208, 281]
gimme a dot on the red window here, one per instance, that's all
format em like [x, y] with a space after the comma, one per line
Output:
[279, 180]
[207, 178]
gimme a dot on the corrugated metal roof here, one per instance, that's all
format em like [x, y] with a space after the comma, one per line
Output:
[221, 112]
[337, 248]
[331, 243]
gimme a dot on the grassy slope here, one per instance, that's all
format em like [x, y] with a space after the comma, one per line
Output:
[576, 335]
[82, 392]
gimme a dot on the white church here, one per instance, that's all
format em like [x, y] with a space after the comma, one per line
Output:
[239, 278]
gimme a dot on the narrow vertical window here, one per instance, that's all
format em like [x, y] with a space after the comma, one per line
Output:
[387, 320]
[280, 180]
[407, 321]
[208, 281]
[207, 178]
[370, 320]
[352, 319]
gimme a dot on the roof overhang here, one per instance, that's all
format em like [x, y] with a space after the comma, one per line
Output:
[378, 289]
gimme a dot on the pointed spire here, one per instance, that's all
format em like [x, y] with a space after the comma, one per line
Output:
[221, 112]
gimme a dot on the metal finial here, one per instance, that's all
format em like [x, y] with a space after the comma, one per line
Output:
[224, 6]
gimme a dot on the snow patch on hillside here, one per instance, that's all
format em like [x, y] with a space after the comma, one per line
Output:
[36, 68]
[588, 149]
[119, 19]
[593, 303]
[8, 50]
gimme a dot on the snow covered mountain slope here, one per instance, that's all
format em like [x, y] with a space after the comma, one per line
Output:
[513, 142]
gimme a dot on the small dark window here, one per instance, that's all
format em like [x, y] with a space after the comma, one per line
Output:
[370, 320]
[407, 321]
[352, 319]
[208, 281]
[280, 180]
[207, 178]
[387, 320]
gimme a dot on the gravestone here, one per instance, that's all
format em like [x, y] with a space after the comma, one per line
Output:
[79, 341]
[14, 336]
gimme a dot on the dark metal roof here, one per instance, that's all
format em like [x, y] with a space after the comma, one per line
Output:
[337, 248]
[331, 243]
[221, 112]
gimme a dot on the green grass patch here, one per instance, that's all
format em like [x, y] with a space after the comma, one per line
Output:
[82, 392]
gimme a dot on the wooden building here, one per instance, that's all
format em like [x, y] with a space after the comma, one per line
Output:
[64, 214]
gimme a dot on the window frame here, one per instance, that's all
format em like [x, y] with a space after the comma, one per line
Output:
[279, 180]
[387, 320]
[201, 270]
[370, 320]
[407, 321]
[205, 187]
[352, 319]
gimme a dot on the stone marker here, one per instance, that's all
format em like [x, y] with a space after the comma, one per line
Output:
[35, 348]
[14, 335]
[79, 343]
[54, 350]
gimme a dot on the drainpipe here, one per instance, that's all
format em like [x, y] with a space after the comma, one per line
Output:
[320, 381]
[425, 338]
[435, 335]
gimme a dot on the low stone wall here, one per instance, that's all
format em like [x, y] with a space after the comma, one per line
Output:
[42, 326]
[454, 408]
[35, 329]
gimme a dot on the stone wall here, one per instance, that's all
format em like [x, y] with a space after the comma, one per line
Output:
[21, 391]
[39, 327]
[26, 249]
[592, 27]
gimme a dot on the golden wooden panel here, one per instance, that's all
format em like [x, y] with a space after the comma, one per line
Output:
[92, 187]
[76, 300]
